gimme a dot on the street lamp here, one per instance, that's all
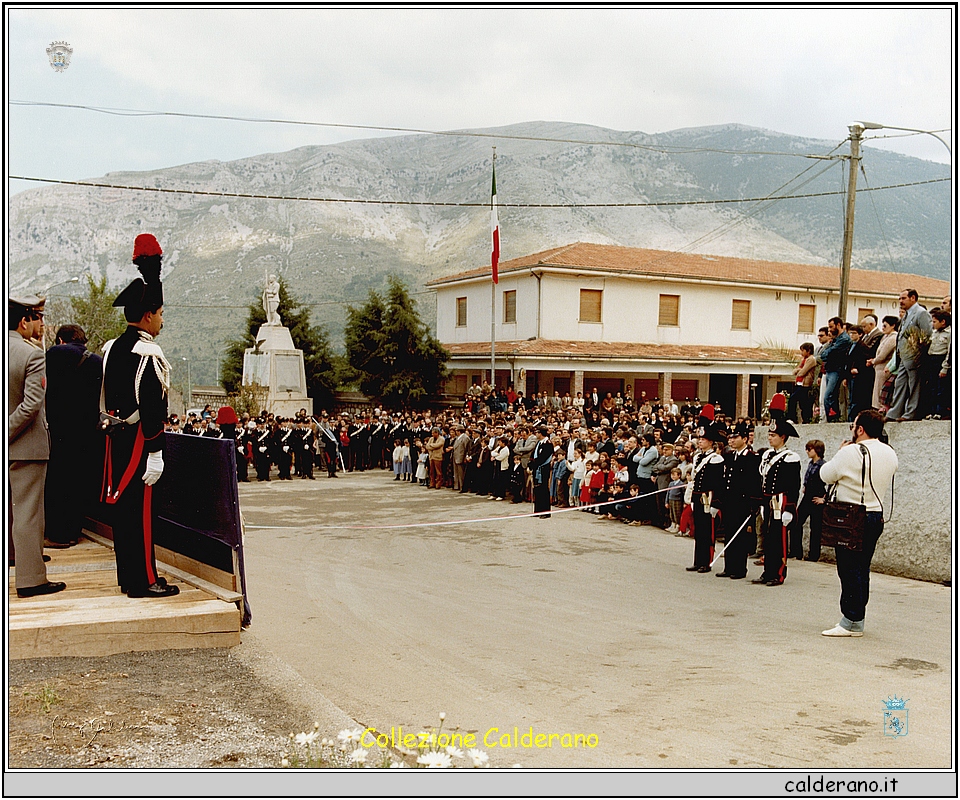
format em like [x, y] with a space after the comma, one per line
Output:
[876, 126]
[189, 383]
[43, 292]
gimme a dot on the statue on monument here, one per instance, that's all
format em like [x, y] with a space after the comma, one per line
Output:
[271, 300]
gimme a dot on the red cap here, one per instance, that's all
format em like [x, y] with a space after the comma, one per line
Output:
[146, 244]
[707, 411]
[778, 402]
[226, 415]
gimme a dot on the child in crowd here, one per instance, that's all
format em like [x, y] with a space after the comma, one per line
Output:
[675, 499]
[397, 459]
[422, 459]
[517, 479]
[686, 517]
[578, 468]
[588, 494]
[406, 466]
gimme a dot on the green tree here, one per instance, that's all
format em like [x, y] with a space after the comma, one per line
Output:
[391, 350]
[96, 314]
[318, 360]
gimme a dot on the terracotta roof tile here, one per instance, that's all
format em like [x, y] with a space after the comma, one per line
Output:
[635, 260]
[559, 348]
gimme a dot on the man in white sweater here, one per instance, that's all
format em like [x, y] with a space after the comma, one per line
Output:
[862, 471]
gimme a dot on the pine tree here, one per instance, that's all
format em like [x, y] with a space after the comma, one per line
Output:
[96, 314]
[391, 349]
[318, 360]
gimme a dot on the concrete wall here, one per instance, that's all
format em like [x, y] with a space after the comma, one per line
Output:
[917, 540]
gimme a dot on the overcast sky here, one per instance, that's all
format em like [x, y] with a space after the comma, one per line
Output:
[807, 72]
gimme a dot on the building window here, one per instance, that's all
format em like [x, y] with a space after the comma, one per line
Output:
[862, 312]
[669, 310]
[461, 312]
[807, 321]
[591, 302]
[740, 320]
[509, 306]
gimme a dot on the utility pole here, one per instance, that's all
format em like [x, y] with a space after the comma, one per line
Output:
[856, 133]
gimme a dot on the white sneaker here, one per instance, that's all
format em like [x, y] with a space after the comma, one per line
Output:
[839, 630]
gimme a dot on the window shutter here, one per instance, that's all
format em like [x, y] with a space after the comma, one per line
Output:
[510, 306]
[461, 312]
[669, 310]
[741, 315]
[807, 319]
[591, 303]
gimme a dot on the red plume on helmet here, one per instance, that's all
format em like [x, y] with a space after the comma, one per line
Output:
[146, 244]
[227, 416]
[778, 406]
[707, 415]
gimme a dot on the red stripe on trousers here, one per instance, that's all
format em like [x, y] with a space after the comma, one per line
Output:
[131, 467]
[148, 534]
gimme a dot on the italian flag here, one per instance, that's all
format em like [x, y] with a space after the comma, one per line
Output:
[495, 228]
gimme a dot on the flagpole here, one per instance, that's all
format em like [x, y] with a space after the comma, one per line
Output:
[494, 257]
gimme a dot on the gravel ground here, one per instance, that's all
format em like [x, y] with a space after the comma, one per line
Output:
[170, 709]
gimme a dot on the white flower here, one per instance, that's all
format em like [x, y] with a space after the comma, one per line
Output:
[443, 716]
[353, 736]
[454, 751]
[284, 763]
[517, 766]
[435, 760]
[302, 739]
[397, 765]
[478, 757]
[358, 756]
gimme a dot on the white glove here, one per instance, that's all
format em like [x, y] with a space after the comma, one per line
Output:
[763, 513]
[263, 449]
[714, 512]
[286, 449]
[154, 468]
[306, 447]
[786, 518]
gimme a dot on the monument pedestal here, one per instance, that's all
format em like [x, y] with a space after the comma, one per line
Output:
[277, 365]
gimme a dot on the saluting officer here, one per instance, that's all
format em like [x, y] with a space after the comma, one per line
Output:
[709, 482]
[136, 379]
[741, 500]
[780, 484]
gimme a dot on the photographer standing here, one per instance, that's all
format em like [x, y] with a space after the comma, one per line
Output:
[863, 468]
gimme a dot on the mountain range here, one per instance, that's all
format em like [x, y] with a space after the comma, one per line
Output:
[219, 249]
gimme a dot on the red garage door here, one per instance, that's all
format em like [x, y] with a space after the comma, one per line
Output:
[649, 385]
[682, 389]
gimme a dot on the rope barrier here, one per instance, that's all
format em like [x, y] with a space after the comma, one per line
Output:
[509, 517]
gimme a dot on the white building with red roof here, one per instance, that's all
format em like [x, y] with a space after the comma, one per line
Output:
[680, 325]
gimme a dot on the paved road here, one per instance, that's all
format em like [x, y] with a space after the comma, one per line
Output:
[577, 625]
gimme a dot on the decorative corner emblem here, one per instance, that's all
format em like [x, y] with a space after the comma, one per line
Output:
[59, 54]
[895, 716]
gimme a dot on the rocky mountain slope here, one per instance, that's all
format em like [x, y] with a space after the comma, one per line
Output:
[219, 249]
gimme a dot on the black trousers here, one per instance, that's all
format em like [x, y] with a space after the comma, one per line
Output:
[703, 534]
[774, 547]
[853, 569]
[133, 516]
[735, 551]
[541, 498]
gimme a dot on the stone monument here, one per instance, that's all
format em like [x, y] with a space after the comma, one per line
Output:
[274, 363]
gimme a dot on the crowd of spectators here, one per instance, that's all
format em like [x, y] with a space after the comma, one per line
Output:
[899, 365]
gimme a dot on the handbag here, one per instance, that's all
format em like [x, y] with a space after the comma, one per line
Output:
[844, 523]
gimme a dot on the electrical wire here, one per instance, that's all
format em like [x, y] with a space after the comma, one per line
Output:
[134, 112]
[883, 234]
[439, 204]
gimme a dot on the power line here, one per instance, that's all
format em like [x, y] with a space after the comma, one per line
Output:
[439, 204]
[135, 112]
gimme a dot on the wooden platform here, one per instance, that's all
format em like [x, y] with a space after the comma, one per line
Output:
[92, 618]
